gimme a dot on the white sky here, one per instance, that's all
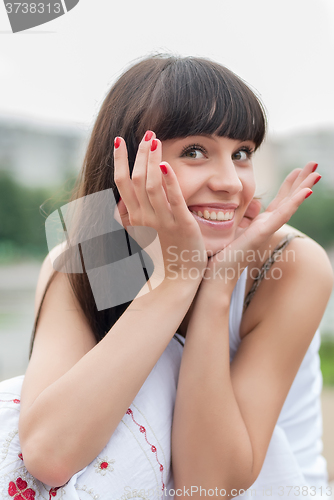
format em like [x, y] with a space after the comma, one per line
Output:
[284, 49]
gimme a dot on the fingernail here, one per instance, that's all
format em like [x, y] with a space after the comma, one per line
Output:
[163, 168]
[119, 199]
[317, 179]
[154, 145]
[315, 167]
[117, 142]
[308, 194]
[148, 135]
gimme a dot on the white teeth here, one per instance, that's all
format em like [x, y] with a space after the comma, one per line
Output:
[221, 216]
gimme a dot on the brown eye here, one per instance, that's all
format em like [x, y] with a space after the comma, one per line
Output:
[195, 151]
[242, 155]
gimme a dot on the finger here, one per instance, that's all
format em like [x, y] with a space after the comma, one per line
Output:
[285, 189]
[139, 173]
[266, 224]
[121, 214]
[287, 208]
[309, 168]
[175, 197]
[154, 185]
[122, 175]
[308, 182]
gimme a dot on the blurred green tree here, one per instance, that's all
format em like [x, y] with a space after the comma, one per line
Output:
[315, 216]
[23, 211]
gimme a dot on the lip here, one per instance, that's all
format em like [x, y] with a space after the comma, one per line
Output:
[215, 225]
[222, 206]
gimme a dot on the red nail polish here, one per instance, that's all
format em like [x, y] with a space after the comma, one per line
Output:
[317, 179]
[315, 167]
[119, 199]
[154, 145]
[163, 168]
[117, 142]
[148, 135]
[308, 194]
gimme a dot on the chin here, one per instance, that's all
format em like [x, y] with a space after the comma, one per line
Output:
[214, 247]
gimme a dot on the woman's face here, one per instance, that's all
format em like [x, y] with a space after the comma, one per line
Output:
[212, 172]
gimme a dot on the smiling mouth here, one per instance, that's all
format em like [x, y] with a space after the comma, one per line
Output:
[214, 223]
[215, 215]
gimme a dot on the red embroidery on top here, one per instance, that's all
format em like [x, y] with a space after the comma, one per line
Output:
[153, 448]
[20, 491]
[53, 492]
[20, 456]
[16, 401]
[103, 465]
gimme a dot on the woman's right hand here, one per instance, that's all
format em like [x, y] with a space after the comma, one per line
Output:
[153, 199]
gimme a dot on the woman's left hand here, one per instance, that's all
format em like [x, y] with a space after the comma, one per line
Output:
[225, 267]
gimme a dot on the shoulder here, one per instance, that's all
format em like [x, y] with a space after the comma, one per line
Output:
[60, 304]
[302, 268]
[46, 271]
[63, 334]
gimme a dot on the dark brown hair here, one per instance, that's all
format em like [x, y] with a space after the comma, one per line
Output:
[175, 97]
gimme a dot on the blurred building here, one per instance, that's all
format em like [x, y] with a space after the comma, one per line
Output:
[281, 154]
[294, 150]
[39, 154]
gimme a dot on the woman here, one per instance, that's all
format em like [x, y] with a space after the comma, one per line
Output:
[97, 403]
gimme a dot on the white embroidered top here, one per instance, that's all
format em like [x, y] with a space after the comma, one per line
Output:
[136, 462]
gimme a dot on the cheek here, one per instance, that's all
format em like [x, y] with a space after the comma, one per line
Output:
[249, 187]
[186, 183]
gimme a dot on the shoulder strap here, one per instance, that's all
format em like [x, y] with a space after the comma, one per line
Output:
[267, 265]
[179, 341]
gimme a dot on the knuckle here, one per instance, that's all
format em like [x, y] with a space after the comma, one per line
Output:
[147, 221]
[119, 179]
[137, 179]
[151, 188]
[262, 230]
[134, 220]
[173, 200]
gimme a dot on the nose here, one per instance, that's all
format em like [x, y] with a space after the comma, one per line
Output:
[224, 177]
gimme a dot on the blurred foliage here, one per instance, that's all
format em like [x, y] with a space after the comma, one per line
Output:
[315, 218]
[327, 361]
[23, 211]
